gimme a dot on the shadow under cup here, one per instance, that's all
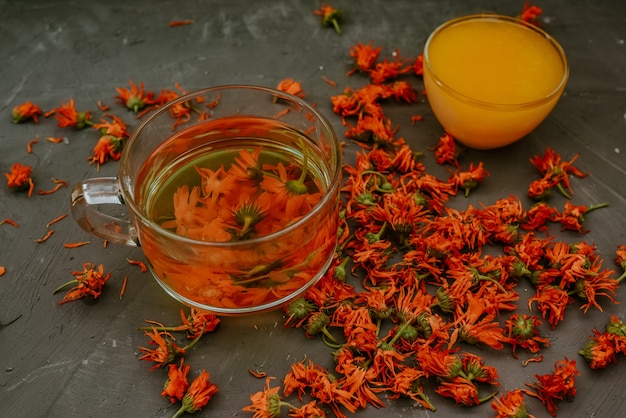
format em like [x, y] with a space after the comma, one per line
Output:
[235, 209]
[490, 79]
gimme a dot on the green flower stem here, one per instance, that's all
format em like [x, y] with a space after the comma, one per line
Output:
[598, 206]
[563, 191]
[376, 237]
[329, 339]
[385, 187]
[180, 412]
[195, 340]
[399, 332]
[480, 276]
[426, 400]
[297, 187]
[65, 285]
[340, 270]
[488, 397]
[164, 329]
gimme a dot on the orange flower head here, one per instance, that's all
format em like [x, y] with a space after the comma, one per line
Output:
[20, 177]
[199, 322]
[600, 350]
[291, 86]
[330, 16]
[199, 393]
[88, 283]
[116, 127]
[68, 116]
[265, 403]
[365, 56]
[176, 385]
[616, 327]
[510, 405]
[165, 351]
[135, 98]
[26, 111]
[108, 147]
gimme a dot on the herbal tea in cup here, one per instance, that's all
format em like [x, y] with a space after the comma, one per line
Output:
[236, 211]
[490, 80]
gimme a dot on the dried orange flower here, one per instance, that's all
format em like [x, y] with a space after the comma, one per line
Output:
[291, 86]
[116, 127]
[330, 16]
[176, 385]
[88, 283]
[26, 111]
[68, 116]
[198, 395]
[135, 98]
[20, 178]
[108, 147]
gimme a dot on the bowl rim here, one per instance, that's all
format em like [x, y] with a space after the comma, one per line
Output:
[493, 105]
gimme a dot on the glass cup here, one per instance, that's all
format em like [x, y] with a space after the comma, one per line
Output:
[232, 193]
[490, 79]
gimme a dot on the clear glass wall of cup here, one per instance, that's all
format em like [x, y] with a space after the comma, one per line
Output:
[234, 207]
[491, 80]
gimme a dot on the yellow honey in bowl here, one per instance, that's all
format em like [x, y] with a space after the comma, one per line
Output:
[491, 79]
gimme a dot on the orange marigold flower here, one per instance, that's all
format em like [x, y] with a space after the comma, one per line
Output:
[116, 127]
[446, 151]
[523, 330]
[198, 395]
[572, 216]
[463, 391]
[181, 112]
[365, 56]
[195, 324]
[68, 116]
[20, 178]
[166, 349]
[556, 386]
[330, 16]
[470, 179]
[135, 98]
[600, 351]
[108, 147]
[291, 86]
[555, 173]
[510, 405]
[176, 385]
[88, 283]
[26, 111]
[551, 302]
[265, 403]
[199, 322]
[402, 91]
[388, 70]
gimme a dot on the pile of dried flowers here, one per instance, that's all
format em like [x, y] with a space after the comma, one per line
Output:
[429, 290]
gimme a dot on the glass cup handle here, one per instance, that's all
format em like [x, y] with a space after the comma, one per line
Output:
[88, 199]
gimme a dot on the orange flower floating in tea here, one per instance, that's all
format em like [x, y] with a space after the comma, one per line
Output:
[250, 199]
[253, 193]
